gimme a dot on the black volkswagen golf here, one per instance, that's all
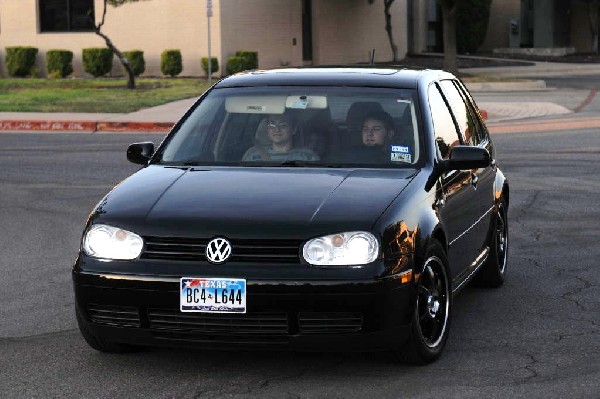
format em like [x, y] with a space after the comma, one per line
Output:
[305, 209]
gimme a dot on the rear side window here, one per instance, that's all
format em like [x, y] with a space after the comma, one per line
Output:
[443, 124]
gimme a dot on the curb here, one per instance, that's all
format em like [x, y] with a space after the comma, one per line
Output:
[506, 86]
[84, 126]
[97, 127]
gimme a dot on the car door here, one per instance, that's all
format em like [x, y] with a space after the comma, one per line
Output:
[480, 137]
[458, 196]
[480, 180]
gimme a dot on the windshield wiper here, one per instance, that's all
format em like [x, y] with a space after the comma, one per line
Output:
[294, 163]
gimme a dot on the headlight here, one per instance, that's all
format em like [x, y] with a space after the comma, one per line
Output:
[107, 242]
[352, 248]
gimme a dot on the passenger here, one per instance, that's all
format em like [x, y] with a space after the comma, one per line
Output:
[281, 129]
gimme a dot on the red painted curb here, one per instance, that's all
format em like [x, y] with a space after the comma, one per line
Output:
[84, 126]
[127, 127]
[52, 126]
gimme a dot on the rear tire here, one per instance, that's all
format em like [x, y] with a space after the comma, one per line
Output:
[431, 316]
[493, 270]
[98, 343]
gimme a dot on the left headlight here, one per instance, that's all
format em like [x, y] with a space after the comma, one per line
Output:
[108, 242]
[351, 248]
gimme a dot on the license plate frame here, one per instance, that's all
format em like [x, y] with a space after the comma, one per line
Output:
[212, 295]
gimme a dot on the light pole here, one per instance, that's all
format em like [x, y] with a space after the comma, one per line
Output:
[208, 16]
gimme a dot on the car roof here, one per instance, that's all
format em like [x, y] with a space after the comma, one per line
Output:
[334, 76]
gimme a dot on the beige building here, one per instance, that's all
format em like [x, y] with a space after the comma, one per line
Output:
[284, 32]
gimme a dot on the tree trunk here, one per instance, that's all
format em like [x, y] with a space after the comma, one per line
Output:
[593, 8]
[110, 45]
[121, 57]
[449, 20]
[388, 29]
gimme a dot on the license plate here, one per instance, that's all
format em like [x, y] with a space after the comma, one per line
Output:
[212, 295]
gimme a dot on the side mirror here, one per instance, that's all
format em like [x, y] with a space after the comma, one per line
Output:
[140, 153]
[464, 157]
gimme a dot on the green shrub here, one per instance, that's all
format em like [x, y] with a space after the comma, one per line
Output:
[242, 61]
[59, 63]
[171, 63]
[20, 60]
[472, 20]
[235, 64]
[136, 61]
[214, 65]
[97, 61]
[251, 58]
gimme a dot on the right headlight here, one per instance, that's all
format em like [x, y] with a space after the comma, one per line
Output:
[108, 242]
[342, 249]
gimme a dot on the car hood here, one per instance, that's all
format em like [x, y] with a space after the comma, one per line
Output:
[251, 201]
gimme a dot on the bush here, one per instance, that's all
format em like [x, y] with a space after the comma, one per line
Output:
[251, 58]
[136, 61]
[214, 65]
[171, 63]
[242, 61]
[97, 61]
[59, 63]
[235, 64]
[472, 20]
[20, 60]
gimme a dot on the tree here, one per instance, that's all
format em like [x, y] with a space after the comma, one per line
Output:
[387, 4]
[449, 8]
[110, 44]
[593, 12]
[473, 17]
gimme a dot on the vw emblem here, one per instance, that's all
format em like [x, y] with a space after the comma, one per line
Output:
[218, 250]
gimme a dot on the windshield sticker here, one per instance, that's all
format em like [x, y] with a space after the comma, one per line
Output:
[400, 153]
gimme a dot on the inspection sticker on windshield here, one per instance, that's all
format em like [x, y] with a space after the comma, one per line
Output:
[400, 153]
[212, 295]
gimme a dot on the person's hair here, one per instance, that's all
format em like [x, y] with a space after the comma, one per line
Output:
[290, 116]
[382, 117]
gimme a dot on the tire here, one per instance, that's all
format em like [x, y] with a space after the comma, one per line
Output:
[99, 343]
[493, 271]
[432, 310]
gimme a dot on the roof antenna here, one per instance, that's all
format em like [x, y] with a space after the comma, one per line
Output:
[372, 61]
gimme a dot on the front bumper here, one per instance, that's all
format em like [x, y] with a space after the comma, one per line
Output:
[355, 315]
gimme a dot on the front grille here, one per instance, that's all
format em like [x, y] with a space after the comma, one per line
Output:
[194, 249]
[249, 323]
[120, 316]
[329, 322]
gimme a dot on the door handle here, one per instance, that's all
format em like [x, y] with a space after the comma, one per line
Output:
[474, 180]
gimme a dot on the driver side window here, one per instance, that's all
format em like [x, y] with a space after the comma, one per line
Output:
[443, 123]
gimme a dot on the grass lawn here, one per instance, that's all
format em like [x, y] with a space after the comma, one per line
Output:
[93, 95]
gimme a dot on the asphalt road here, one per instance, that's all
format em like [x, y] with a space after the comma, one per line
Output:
[535, 337]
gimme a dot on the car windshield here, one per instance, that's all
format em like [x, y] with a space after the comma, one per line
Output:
[299, 127]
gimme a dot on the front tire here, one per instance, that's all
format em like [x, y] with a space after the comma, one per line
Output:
[431, 316]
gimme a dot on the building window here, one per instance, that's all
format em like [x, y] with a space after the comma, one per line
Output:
[66, 15]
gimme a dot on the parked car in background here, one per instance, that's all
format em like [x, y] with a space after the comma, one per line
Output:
[309, 209]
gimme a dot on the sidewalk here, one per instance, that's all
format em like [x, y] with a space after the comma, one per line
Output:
[156, 119]
[161, 118]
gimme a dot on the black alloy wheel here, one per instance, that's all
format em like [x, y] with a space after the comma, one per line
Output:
[432, 311]
[432, 302]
